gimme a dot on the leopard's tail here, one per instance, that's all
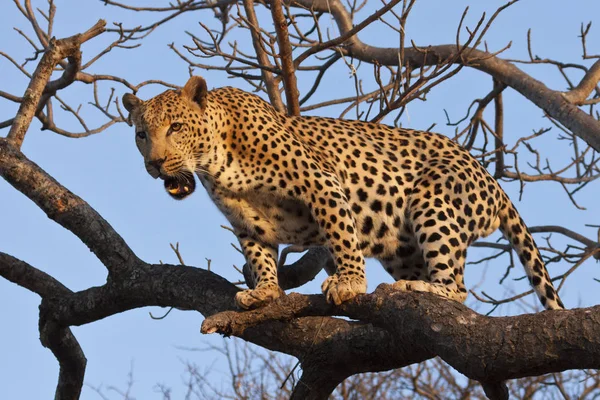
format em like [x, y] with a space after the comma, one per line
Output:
[515, 230]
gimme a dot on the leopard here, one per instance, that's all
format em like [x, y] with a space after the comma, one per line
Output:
[414, 200]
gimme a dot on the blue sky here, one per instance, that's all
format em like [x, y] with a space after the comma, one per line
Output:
[108, 172]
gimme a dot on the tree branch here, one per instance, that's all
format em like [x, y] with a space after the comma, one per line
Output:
[56, 51]
[287, 65]
[553, 102]
[263, 60]
[588, 83]
[346, 34]
[29, 277]
[65, 208]
[409, 327]
[499, 129]
[57, 338]
[72, 361]
[482, 348]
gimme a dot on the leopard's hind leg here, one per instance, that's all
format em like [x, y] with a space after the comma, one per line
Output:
[443, 251]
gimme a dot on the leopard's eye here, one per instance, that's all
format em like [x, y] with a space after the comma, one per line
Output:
[176, 126]
[141, 135]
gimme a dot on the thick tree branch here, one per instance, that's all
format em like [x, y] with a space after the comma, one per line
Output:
[72, 361]
[182, 287]
[481, 348]
[66, 208]
[324, 343]
[57, 50]
[29, 277]
[418, 326]
[316, 385]
[57, 338]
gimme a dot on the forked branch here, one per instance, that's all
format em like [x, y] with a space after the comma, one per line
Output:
[57, 50]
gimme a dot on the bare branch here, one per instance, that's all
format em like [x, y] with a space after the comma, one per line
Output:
[270, 81]
[553, 102]
[287, 65]
[57, 50]
[579, 94]
[347, 35]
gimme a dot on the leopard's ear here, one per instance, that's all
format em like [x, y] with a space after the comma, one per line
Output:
[195, 90]
[131, 102]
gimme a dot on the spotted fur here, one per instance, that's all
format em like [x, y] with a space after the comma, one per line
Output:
[414, 200]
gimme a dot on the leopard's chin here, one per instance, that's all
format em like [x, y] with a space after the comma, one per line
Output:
[181, 186]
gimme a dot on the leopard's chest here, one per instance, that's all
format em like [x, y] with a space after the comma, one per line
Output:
[267, 217]
[291, 222]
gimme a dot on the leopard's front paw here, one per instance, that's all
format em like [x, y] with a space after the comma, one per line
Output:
[254, 298]
[338, 289]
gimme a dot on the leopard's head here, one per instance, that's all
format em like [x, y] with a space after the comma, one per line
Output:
[172, 134]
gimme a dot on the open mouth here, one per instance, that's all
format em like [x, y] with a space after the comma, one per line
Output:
[181, 186]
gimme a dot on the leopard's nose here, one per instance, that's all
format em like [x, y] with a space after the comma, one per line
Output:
[157, 163]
